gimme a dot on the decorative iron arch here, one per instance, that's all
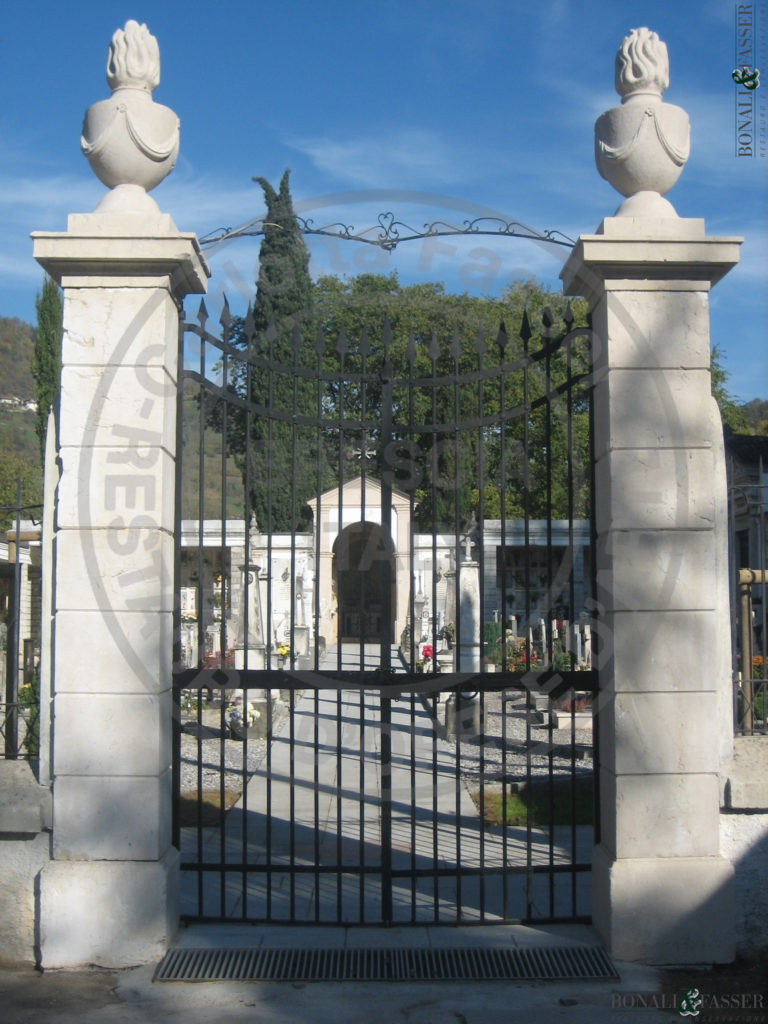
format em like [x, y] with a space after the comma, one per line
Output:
[389, 232]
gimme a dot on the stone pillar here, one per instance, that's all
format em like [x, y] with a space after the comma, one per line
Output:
[661, 891]
[110, 894]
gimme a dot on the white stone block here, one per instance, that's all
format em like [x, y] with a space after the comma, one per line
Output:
[135, 482]
[106, 406]
[112, 734]
[655, 570]
[652, 651]
[659, 815]
[22, 860]
[659, 733]
[107, 913]
[120, 326]
[126, 652]
[108, 818]
[652, 409]
[114, 570]
[674, 910]
[655, 489]
[652, 330]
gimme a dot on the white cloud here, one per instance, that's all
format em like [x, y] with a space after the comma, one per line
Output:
[409, 156]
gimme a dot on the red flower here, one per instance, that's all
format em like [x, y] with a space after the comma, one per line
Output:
[427, 651]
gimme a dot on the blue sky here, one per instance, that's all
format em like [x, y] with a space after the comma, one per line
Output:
[424, 109]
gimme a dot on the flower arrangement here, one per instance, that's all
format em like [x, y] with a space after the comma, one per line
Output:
[424, 664]
[242, 713]
[512, 649]
[283, 650]
[211, 660]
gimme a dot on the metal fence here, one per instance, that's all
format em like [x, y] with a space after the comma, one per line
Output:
[748, 508]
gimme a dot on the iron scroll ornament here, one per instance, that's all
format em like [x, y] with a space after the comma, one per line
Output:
[389, 232]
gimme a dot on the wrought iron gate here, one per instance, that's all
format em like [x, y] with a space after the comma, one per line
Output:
[383, 675]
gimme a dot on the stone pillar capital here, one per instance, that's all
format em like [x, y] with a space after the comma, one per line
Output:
[123, 251]
[647, 254]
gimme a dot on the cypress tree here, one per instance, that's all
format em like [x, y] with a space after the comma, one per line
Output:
[282, 471]
[46, 358]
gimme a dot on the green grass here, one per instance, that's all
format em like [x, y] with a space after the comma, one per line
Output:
[208, 808]
[539, 805]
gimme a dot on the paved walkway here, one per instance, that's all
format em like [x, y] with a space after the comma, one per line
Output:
[315, 807]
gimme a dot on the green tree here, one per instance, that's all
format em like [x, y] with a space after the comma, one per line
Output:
[455, 473]
[277, 337]
[329, 367]
[733, 415]
[46, 358]
[12, 469]
[756, 413]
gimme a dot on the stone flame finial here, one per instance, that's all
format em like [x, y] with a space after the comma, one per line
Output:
[130, 141]
[641, 146]
[134, 59]
[642, 64]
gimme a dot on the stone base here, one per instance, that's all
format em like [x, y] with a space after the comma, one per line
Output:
[22, 857]
[464, 718]
[108, 913]
[746, 777]
[673, 910]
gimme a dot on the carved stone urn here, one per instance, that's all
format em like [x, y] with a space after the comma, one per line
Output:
[641, 146]
[130, 141]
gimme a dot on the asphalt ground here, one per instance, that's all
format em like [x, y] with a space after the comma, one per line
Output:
[735, 993]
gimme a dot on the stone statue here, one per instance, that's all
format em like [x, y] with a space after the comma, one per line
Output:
[641, 146]
[130, 141]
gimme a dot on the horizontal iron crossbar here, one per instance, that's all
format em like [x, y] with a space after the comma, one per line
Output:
[552, 683]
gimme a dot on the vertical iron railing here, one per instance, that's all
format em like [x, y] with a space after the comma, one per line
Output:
[748, 509]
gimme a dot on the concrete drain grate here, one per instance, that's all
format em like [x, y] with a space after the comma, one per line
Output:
[566, 963]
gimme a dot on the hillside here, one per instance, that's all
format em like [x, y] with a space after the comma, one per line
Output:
[17, 342]
[190, 499]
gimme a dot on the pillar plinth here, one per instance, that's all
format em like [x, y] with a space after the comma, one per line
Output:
[661, 892]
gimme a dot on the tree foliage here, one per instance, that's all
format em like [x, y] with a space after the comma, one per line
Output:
[16, 348]
[462, 402]
[733, 415]
[277, 332]
[15, 468]
[449, 347]
[756, 413]
[46, 358]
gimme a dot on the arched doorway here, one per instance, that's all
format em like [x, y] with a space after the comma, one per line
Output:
[364, 583]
